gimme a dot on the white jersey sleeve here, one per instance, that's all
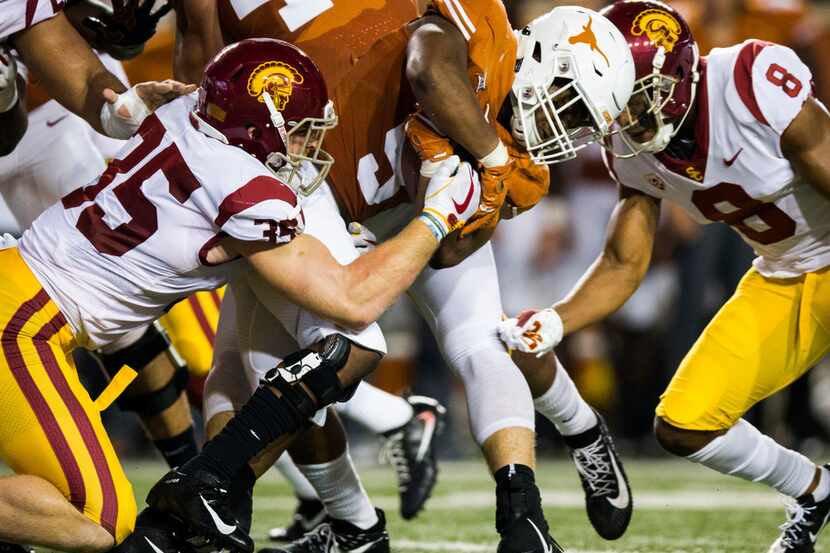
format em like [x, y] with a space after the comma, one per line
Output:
[18, 15]
[771, 84]
[261, 209]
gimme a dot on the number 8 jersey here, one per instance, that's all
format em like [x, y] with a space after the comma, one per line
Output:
[115, 254]
[748, 96]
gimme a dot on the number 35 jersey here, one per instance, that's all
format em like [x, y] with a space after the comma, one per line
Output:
[116, 253]
[748, 96]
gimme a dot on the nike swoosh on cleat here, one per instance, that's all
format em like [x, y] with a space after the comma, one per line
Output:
[152, 545]
[225, 529]
[545, 547]
[429, 429]
[622, 499]
[365, 547]
[459, 208]
[814, 537]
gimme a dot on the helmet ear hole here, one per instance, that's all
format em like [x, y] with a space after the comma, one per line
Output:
[537, 52]
[254, 132]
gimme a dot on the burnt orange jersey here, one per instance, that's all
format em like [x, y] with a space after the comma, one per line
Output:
[333, 32]
[364, 66]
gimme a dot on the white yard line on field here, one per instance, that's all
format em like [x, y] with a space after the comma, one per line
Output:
[713, 499]
[464, 547]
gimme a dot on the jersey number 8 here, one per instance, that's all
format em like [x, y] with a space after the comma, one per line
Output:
[788, 82]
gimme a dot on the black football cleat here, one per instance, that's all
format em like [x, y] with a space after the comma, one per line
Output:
[338, 536]
[200, 502]
[805, 519]
[519, 517]
[607, 492]
[410, 449]
[309, 515]
[154, 533]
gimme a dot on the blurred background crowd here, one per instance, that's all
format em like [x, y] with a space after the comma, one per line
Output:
[622, 365]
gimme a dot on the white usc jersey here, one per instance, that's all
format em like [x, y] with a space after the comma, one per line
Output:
[17, 15]
[114, 254]
[748, 96]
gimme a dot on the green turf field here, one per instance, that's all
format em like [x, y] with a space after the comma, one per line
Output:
[678, 508]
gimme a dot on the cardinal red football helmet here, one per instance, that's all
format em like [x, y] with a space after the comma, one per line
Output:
[666, 67]
[269, 98]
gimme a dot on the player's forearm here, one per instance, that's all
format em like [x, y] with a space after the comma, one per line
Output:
[78, 79]
[448, 100]
[198, 38]
[604, 288]
[375, 280]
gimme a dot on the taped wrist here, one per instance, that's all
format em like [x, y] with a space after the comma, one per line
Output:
[498, 157]
[118, 126]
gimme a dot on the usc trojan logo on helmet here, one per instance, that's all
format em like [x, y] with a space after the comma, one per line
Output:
[659, 26]
[277, 78]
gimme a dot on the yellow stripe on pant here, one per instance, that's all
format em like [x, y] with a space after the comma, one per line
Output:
[766, 336]
[50, 426]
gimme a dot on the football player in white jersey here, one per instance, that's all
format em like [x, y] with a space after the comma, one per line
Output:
[40, 33]
[59, 152]
[735, 137]
[191, 202]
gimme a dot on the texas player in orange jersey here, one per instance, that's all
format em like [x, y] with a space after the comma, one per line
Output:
[450, 78]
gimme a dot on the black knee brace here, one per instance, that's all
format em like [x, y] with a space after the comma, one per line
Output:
[317, 371]
[137, 356]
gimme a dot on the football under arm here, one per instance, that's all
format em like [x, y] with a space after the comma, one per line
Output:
[436, 68]
[806, 145]
[63, 61]
[353, 295]
[198, 38]
[620, 268]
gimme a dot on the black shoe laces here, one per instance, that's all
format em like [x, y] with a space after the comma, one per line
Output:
[593, 462]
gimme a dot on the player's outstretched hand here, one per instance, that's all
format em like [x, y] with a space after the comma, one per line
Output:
[452, 196]
[8, 80]
[122, 114]
[532, 331]
[154, 93]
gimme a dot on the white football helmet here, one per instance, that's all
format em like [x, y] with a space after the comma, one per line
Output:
[574, 75]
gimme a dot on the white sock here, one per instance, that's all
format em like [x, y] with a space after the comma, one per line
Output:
[564, 407]
[746, 453]
[341, 491]
[302, 487]
[375, 409]
[823, 487]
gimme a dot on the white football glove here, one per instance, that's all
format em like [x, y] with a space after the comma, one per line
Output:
[8, 80]
[364, 240]
[539, 334]
[452, 197]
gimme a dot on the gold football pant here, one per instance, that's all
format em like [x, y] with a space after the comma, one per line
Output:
[767, 335]
[49, 426]
[191, 325]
